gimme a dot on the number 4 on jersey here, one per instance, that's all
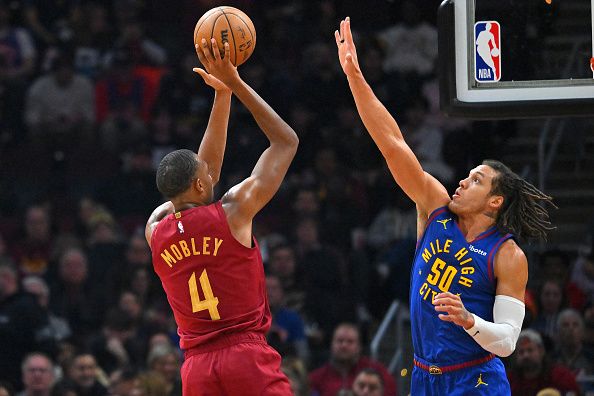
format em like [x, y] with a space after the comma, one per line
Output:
[210, 302]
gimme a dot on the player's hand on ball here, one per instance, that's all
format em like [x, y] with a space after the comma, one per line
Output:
[347, 53]
[219, 67]
[454, 310]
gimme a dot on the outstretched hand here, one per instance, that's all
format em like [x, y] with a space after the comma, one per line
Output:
[452, 305]
[347, 53]
[211, 80]
[217, 71]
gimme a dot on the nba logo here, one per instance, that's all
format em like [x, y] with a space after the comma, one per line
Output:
[487, 51]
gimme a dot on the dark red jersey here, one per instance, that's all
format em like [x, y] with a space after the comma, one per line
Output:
[214, 284]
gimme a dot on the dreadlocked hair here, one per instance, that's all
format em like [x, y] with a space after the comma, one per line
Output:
[523, 213]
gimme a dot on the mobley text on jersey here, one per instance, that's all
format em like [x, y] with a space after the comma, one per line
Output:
[184, 248]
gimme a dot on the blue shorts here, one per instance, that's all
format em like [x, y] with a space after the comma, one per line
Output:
[483, 379]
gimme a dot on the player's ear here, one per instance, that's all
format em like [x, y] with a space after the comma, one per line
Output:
[496, 202]
[198, 185]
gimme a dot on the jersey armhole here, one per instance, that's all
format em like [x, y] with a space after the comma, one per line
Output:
[223, 215]
[492, 253]
[432, 216]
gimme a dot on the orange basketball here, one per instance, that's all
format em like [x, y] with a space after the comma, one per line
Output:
[228, 24]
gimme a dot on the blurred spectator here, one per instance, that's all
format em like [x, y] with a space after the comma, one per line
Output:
[116, 345]
[133, 272]
[17, 64]
[320, 80]
[38, 375]
[532, 371]
[32, 253]
[17, 50]
[324, 279]
[162, 130]
[164, 360]
[142, 50]
[550, 298]
[411, 44]
[570, 350]
[120, 98]
[343, 198]
[296, 372]
[181, 93]
[44, 20]
[21, 320]
[589, 325]
[57, 328]
[368, 382]
[556, 265]
[395, 222]
[287, 333]
[73, 295]
[345, 362]
[283, 265]
[83, 373]
[152, 384]
[60, 108]
[131, 192]
[93, 37]
[583, 274]
[124, 382]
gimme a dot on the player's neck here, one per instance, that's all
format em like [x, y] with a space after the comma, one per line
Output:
[474, 225]
[188, 200]
[184, 205]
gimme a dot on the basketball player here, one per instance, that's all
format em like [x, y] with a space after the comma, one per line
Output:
[204, 252]
[469, 275]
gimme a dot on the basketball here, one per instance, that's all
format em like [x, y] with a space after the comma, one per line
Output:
[228, 24]
[495, 52]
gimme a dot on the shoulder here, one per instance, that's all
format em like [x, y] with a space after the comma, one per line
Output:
[510, 256]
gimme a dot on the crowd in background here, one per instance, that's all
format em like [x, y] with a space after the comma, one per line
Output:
[93, 94]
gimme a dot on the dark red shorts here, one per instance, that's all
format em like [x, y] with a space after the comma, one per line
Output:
[240, 365]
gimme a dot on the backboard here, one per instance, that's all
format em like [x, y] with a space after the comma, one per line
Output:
[516, 58]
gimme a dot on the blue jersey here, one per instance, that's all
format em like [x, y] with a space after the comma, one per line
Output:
[446, 262]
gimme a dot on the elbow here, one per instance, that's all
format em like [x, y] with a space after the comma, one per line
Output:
[293, 139]
[503, 348]
[506, 352]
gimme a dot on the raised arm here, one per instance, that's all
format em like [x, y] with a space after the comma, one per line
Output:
[212, 146]
[422, 188]
[243, 201]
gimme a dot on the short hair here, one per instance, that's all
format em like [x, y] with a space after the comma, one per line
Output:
[31, 355]
[176, 172]
[159, 351]
[348, 325]
[531, 335]
[568, 312]
[521, 212]
[372, 371]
